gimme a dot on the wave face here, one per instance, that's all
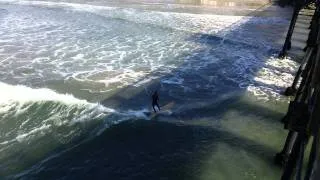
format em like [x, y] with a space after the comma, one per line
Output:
[33, 118]
[27, 112]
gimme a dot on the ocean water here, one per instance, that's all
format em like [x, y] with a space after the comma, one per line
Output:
[76, 80]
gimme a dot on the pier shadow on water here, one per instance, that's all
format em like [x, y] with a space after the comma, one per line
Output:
[149, 150]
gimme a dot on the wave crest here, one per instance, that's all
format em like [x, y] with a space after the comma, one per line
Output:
[27, 112]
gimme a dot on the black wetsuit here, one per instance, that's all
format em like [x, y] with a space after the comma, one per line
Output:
[155, 99]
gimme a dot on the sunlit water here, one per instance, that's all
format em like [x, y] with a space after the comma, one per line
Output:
[69, 71]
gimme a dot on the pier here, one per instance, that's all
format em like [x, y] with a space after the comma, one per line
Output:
[302, 118]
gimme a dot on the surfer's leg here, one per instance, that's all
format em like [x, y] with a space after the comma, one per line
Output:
[158, 106]
[154, 108]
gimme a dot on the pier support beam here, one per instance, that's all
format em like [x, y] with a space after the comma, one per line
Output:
[287, 43]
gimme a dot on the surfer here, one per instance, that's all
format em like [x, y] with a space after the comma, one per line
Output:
[155, 99]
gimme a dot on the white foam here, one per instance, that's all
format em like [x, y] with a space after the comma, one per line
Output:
[78, 56]
[173, 80]
[127, 77]
[80, 7]
[19, 96]
[23, 94]
[138, 113]
[4, 142]
[275, 75]
[22, 137]
[195, 22]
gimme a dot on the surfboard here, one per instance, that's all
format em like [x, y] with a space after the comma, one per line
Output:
[166, 109]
